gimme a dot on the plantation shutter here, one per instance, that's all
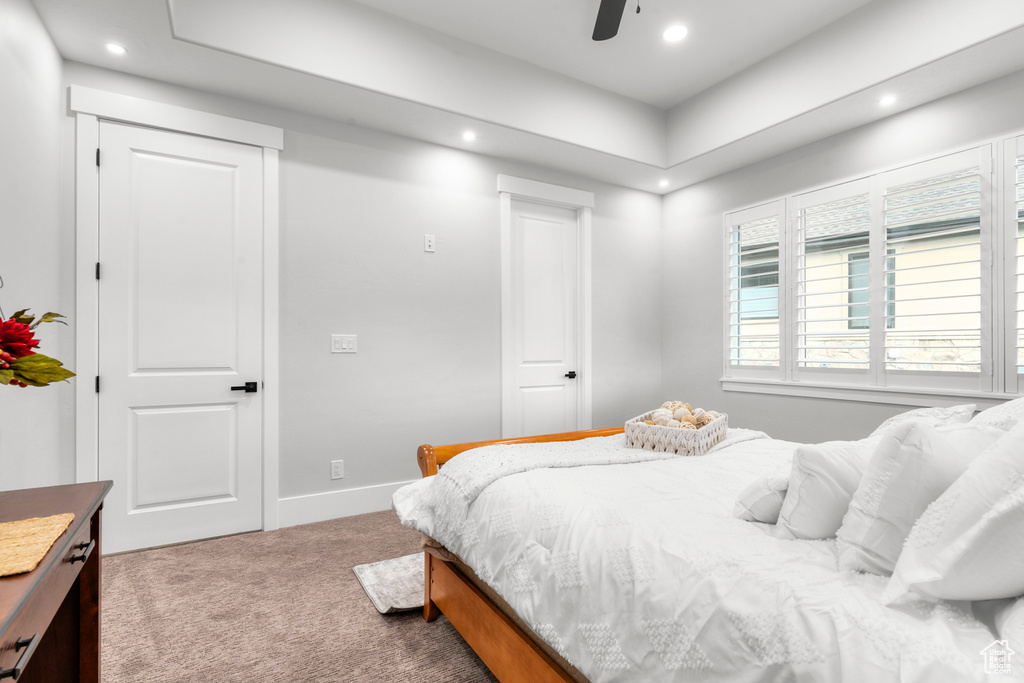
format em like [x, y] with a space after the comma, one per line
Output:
[935, 223]
[833, 274]
[1016, 209]
[753, 287]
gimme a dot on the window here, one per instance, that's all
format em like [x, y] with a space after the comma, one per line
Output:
[831, 226]
[753, 292]
[859, 281]
[1015, 224]
[889, 284]
[933, 228]
[759, 286]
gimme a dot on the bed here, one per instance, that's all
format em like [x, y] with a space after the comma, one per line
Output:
[570, 557]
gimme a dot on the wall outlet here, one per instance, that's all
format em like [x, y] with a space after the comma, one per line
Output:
[337, 469]
[428, 243]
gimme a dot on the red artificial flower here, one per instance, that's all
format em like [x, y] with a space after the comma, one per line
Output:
[16, 340]
[20, 364]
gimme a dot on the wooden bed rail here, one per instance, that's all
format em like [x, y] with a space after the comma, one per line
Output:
[507, 651]
[431, 457]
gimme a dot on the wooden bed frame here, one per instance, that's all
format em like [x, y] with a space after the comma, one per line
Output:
[506, 649]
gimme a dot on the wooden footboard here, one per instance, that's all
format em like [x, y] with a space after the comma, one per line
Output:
[508, 651]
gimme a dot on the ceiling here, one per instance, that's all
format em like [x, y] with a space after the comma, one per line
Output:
[637, 63]
[751, 79]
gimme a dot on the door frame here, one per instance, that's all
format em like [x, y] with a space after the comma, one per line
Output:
[582, 202]
[89, 107]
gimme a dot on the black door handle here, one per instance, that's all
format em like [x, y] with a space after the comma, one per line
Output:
[248, 387]
[571, 374]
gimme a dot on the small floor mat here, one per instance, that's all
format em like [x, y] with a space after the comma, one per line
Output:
[23, 544]
[393, 585]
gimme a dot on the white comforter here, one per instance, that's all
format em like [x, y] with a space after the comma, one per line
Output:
[636, 570]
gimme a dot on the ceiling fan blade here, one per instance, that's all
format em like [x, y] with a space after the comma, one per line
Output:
[609, 14]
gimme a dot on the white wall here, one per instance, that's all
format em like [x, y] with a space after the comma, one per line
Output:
[694, 261]
[428, 369]
[36, 249]
[354, 207]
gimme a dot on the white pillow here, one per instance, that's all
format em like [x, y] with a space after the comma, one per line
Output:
[912, 466]
[1010, 622]
[821, 485]
[1004, 415]
[969, 543]
[932, 416]
[762, 500]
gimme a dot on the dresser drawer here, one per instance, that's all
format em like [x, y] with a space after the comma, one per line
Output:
[30, 624]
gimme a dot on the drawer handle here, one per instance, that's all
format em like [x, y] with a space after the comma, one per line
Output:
[88, 551]
[30, 646]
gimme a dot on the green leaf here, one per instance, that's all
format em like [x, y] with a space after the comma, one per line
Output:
[39, 370]
[50, 317]
[23, 317]
[6, 376]
[29, 381]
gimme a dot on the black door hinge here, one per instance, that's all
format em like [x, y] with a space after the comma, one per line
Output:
[97, 270]
[97, 384]
[97, 156]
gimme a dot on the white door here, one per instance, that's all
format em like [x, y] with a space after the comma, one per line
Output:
[545, 311]
[180, 300]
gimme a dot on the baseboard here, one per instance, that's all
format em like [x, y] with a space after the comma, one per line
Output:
[318, 507]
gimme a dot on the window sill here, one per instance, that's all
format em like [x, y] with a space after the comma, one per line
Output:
[889, 395]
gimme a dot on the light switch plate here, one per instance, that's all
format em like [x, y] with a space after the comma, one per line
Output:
[343, 343]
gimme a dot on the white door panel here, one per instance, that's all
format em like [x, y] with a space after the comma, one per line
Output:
[183, 254]
[543, 244]
[180, 324]
[544, 409]
[182, 454]
[545, 301]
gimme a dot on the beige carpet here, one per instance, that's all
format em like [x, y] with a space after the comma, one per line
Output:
[282, 605]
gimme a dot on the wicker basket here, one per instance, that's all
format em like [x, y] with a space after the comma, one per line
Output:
[674, 439]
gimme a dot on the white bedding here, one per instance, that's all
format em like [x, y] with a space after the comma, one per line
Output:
[638, 571]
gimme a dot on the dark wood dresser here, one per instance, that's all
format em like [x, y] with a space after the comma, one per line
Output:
[50, 617]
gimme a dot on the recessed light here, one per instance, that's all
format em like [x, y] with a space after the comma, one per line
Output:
[469, 136]
[115, 49]
[673, 34]
[887, 101]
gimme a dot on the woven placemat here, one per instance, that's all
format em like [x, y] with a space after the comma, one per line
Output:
[23, 544]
